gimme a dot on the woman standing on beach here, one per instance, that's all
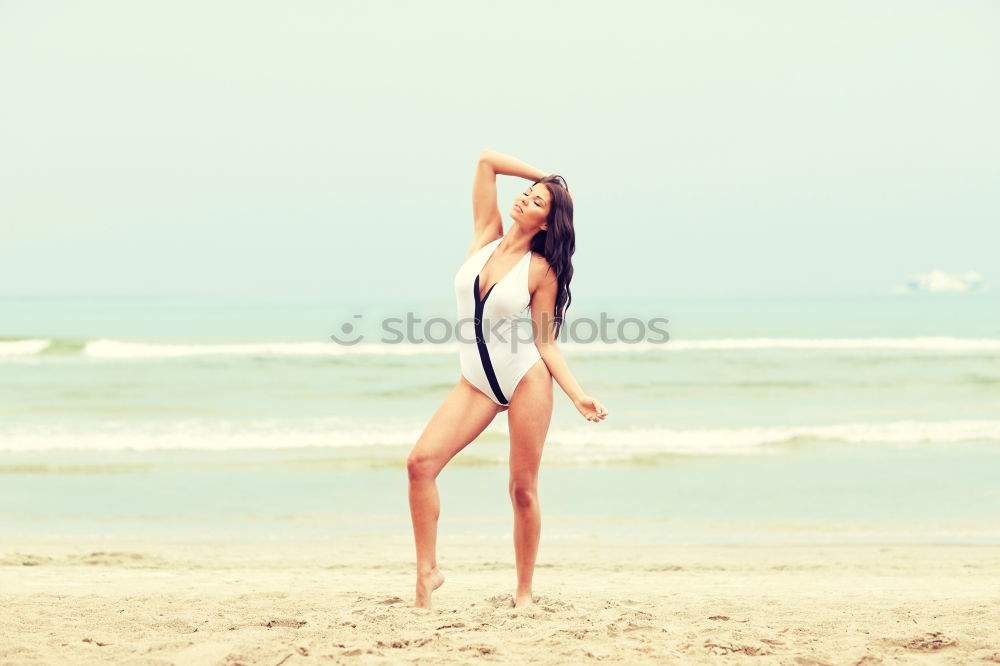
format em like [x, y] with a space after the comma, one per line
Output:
[500, 371]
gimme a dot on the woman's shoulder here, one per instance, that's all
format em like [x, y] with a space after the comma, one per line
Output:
[539, 262]
[539, 269]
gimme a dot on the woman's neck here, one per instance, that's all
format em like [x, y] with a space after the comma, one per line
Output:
[515, 241]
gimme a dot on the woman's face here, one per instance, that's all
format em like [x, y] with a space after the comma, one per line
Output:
[531, 207]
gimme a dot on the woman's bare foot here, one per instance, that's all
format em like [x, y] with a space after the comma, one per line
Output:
[426, 584]
[523, 600]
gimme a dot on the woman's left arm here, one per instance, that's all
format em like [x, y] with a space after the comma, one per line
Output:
[543, 318]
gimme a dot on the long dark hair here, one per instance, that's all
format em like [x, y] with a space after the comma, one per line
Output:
[558, 242]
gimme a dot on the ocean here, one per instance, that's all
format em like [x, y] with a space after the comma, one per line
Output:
[827, 419]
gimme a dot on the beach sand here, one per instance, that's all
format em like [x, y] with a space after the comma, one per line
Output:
[116, 601]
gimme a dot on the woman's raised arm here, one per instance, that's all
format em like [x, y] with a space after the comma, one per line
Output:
[487, 222]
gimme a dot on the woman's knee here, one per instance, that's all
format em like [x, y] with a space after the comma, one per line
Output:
[523, 493]
[421, 466]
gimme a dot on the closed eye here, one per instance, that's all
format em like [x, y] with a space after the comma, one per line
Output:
[536, 202]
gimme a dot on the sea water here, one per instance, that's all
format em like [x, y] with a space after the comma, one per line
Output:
[822, 419]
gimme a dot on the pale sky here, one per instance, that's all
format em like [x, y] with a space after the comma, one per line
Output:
[328, 148]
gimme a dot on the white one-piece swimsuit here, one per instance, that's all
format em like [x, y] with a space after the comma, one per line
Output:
[496, 347]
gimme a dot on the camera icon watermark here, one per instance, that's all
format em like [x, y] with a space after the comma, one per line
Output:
[349, 334]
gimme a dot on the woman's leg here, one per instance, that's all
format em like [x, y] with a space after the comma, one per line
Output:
[528, 419]
[461, 417]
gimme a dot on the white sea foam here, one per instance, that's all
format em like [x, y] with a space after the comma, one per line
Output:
[122, 349]
[202, 435]
[587, 443]
[752, 439]
[106, 348]
[12, 348]
[931, 344]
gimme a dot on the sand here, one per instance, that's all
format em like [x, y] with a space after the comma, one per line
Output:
[115, 601]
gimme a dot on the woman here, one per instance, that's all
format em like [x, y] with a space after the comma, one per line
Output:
[502, 370]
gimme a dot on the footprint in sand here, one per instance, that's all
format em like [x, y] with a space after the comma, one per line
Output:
[929, 642]
[501, 601]
[390, 601]
[723, 649]
[294, 624]
[26, 560]
[552, 605]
